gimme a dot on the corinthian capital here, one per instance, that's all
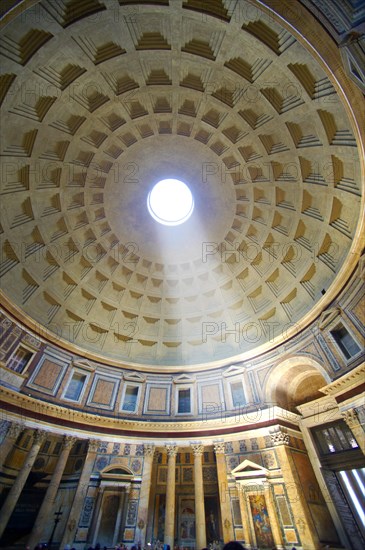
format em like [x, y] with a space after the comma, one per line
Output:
[39, 436]
[351, 418]
[197, 449]
[279, 437]
[171, 450]
[14, 430]
[219, 448]
[149, 450]
[93, 445]
[68, 441]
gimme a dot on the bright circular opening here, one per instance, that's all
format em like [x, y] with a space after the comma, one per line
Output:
[170, 202]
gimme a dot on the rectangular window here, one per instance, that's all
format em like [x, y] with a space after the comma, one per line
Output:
[130, 398]
[75, 386]
[20, 359]
[238, 395]
[184, 405]
[333, 438]
[345, 341]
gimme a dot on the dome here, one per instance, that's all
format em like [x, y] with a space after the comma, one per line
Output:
[242, 109]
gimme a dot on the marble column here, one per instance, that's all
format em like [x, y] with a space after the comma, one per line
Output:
[226, 515]
[244, 516]
[170, 496]
[352, 419]
[149, 451]
[81, 492]
[200, 527]
[17, 487]
[6, 446]
[273, 517]
[299, 506]
[46, 509]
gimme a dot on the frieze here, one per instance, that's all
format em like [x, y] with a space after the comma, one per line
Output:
[103, 447]
[139, 450]
[127, 449]
[116, 449]
[243, 446]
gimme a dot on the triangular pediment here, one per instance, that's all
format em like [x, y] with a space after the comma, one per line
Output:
[133, 377]
[234, 370]
[327, 317]
[248, 469]
[83, 364]
[184, 379]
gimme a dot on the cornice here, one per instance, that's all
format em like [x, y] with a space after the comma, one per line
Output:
[347, 382]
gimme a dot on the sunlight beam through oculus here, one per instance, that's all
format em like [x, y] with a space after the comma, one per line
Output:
[170, 202]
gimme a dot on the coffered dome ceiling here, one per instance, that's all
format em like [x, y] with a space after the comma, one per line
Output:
[100, 100]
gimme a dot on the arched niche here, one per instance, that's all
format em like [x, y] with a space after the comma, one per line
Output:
[295, 381]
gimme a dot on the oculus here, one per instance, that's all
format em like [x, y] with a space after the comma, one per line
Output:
[170, 202]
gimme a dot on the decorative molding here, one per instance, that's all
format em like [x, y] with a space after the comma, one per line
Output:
[347, 381]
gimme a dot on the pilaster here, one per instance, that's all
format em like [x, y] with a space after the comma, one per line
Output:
[220, 449]
[308, 534]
